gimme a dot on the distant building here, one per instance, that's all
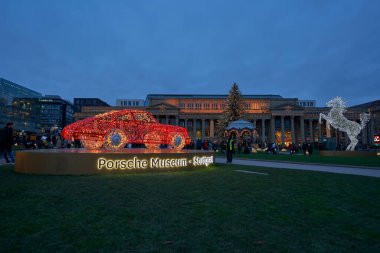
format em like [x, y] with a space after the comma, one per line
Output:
[306, 103]
[42, 115]
[90, 111]
[22, 119]
[10, 90]
[373, 108]
[79, 102]
[130, 102]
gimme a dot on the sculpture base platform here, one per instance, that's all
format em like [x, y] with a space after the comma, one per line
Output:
[347, 153]
[87, 162]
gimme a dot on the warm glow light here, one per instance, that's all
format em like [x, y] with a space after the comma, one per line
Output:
[152, 163]
[115, 129]
[337, 120]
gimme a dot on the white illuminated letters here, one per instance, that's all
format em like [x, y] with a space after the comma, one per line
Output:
[204, 160]
[152, 163]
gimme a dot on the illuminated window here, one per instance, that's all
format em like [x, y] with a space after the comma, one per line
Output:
[247, 106]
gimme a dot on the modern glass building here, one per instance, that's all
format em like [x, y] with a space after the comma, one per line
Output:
[22, 118]
[10, 90]
[47, 114]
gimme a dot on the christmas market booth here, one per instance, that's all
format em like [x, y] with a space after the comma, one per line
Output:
[242, 131]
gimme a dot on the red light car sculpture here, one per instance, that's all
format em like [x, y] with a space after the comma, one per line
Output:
[115, 129]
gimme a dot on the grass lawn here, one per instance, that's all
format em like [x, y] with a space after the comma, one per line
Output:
[215, 209]
[354, 161]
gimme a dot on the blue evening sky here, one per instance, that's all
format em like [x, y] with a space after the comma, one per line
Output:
[314, 49]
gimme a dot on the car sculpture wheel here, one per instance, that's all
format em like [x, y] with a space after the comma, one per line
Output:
[114, 129]
[115, 139]
[177, 141]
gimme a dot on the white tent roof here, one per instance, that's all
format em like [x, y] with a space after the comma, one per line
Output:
[240, 124]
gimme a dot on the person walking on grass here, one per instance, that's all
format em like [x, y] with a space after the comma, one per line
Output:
[230, 149]
[6, 142]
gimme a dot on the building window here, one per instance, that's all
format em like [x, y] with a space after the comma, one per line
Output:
[206, 106]
[198, 106]
[214, 106]
[182, 105]
[190, 106]
[247, 106]
[222, 106]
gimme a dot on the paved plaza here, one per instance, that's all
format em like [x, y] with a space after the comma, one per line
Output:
[361, 171]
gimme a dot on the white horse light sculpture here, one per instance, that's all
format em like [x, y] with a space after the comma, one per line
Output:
[337, 120]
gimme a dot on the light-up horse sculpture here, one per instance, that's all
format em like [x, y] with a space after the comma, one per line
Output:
[337, 120]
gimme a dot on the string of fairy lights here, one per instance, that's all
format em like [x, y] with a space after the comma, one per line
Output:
[114, 129]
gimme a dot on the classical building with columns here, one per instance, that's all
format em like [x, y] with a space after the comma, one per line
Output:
[276, 119]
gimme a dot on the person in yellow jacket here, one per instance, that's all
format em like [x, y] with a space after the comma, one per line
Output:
[230, 149]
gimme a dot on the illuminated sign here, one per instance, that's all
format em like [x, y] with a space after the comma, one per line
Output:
[84, 162]
[152, 163]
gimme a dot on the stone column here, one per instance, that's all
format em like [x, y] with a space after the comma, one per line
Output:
[328, 128]
[282, 130]
[319, 132]
[302, 123]
[211, 128]
[203, 133]
[292, 129]
[364, 135]
[195, 129]
[272, 129]
[263, 130]
[311, 130]
[371, 127]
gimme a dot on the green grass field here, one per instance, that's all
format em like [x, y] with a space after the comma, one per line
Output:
[353, 161]
[215, 209]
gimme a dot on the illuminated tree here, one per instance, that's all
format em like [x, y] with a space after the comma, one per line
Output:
[234, 110]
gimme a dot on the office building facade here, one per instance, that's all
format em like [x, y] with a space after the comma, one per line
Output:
[10, 90]
[93, 102]
[130, 102]
[44, 115]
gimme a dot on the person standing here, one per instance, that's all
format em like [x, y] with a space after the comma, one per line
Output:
[6, 142]
[310, 149]
[230, 149]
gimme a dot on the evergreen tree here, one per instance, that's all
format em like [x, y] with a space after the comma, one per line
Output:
[234, 110]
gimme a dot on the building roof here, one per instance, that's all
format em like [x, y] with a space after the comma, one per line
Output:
[206, 96]
[367, 105]
[240, 124]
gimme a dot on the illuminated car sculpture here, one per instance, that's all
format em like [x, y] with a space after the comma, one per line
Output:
[115, 129]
